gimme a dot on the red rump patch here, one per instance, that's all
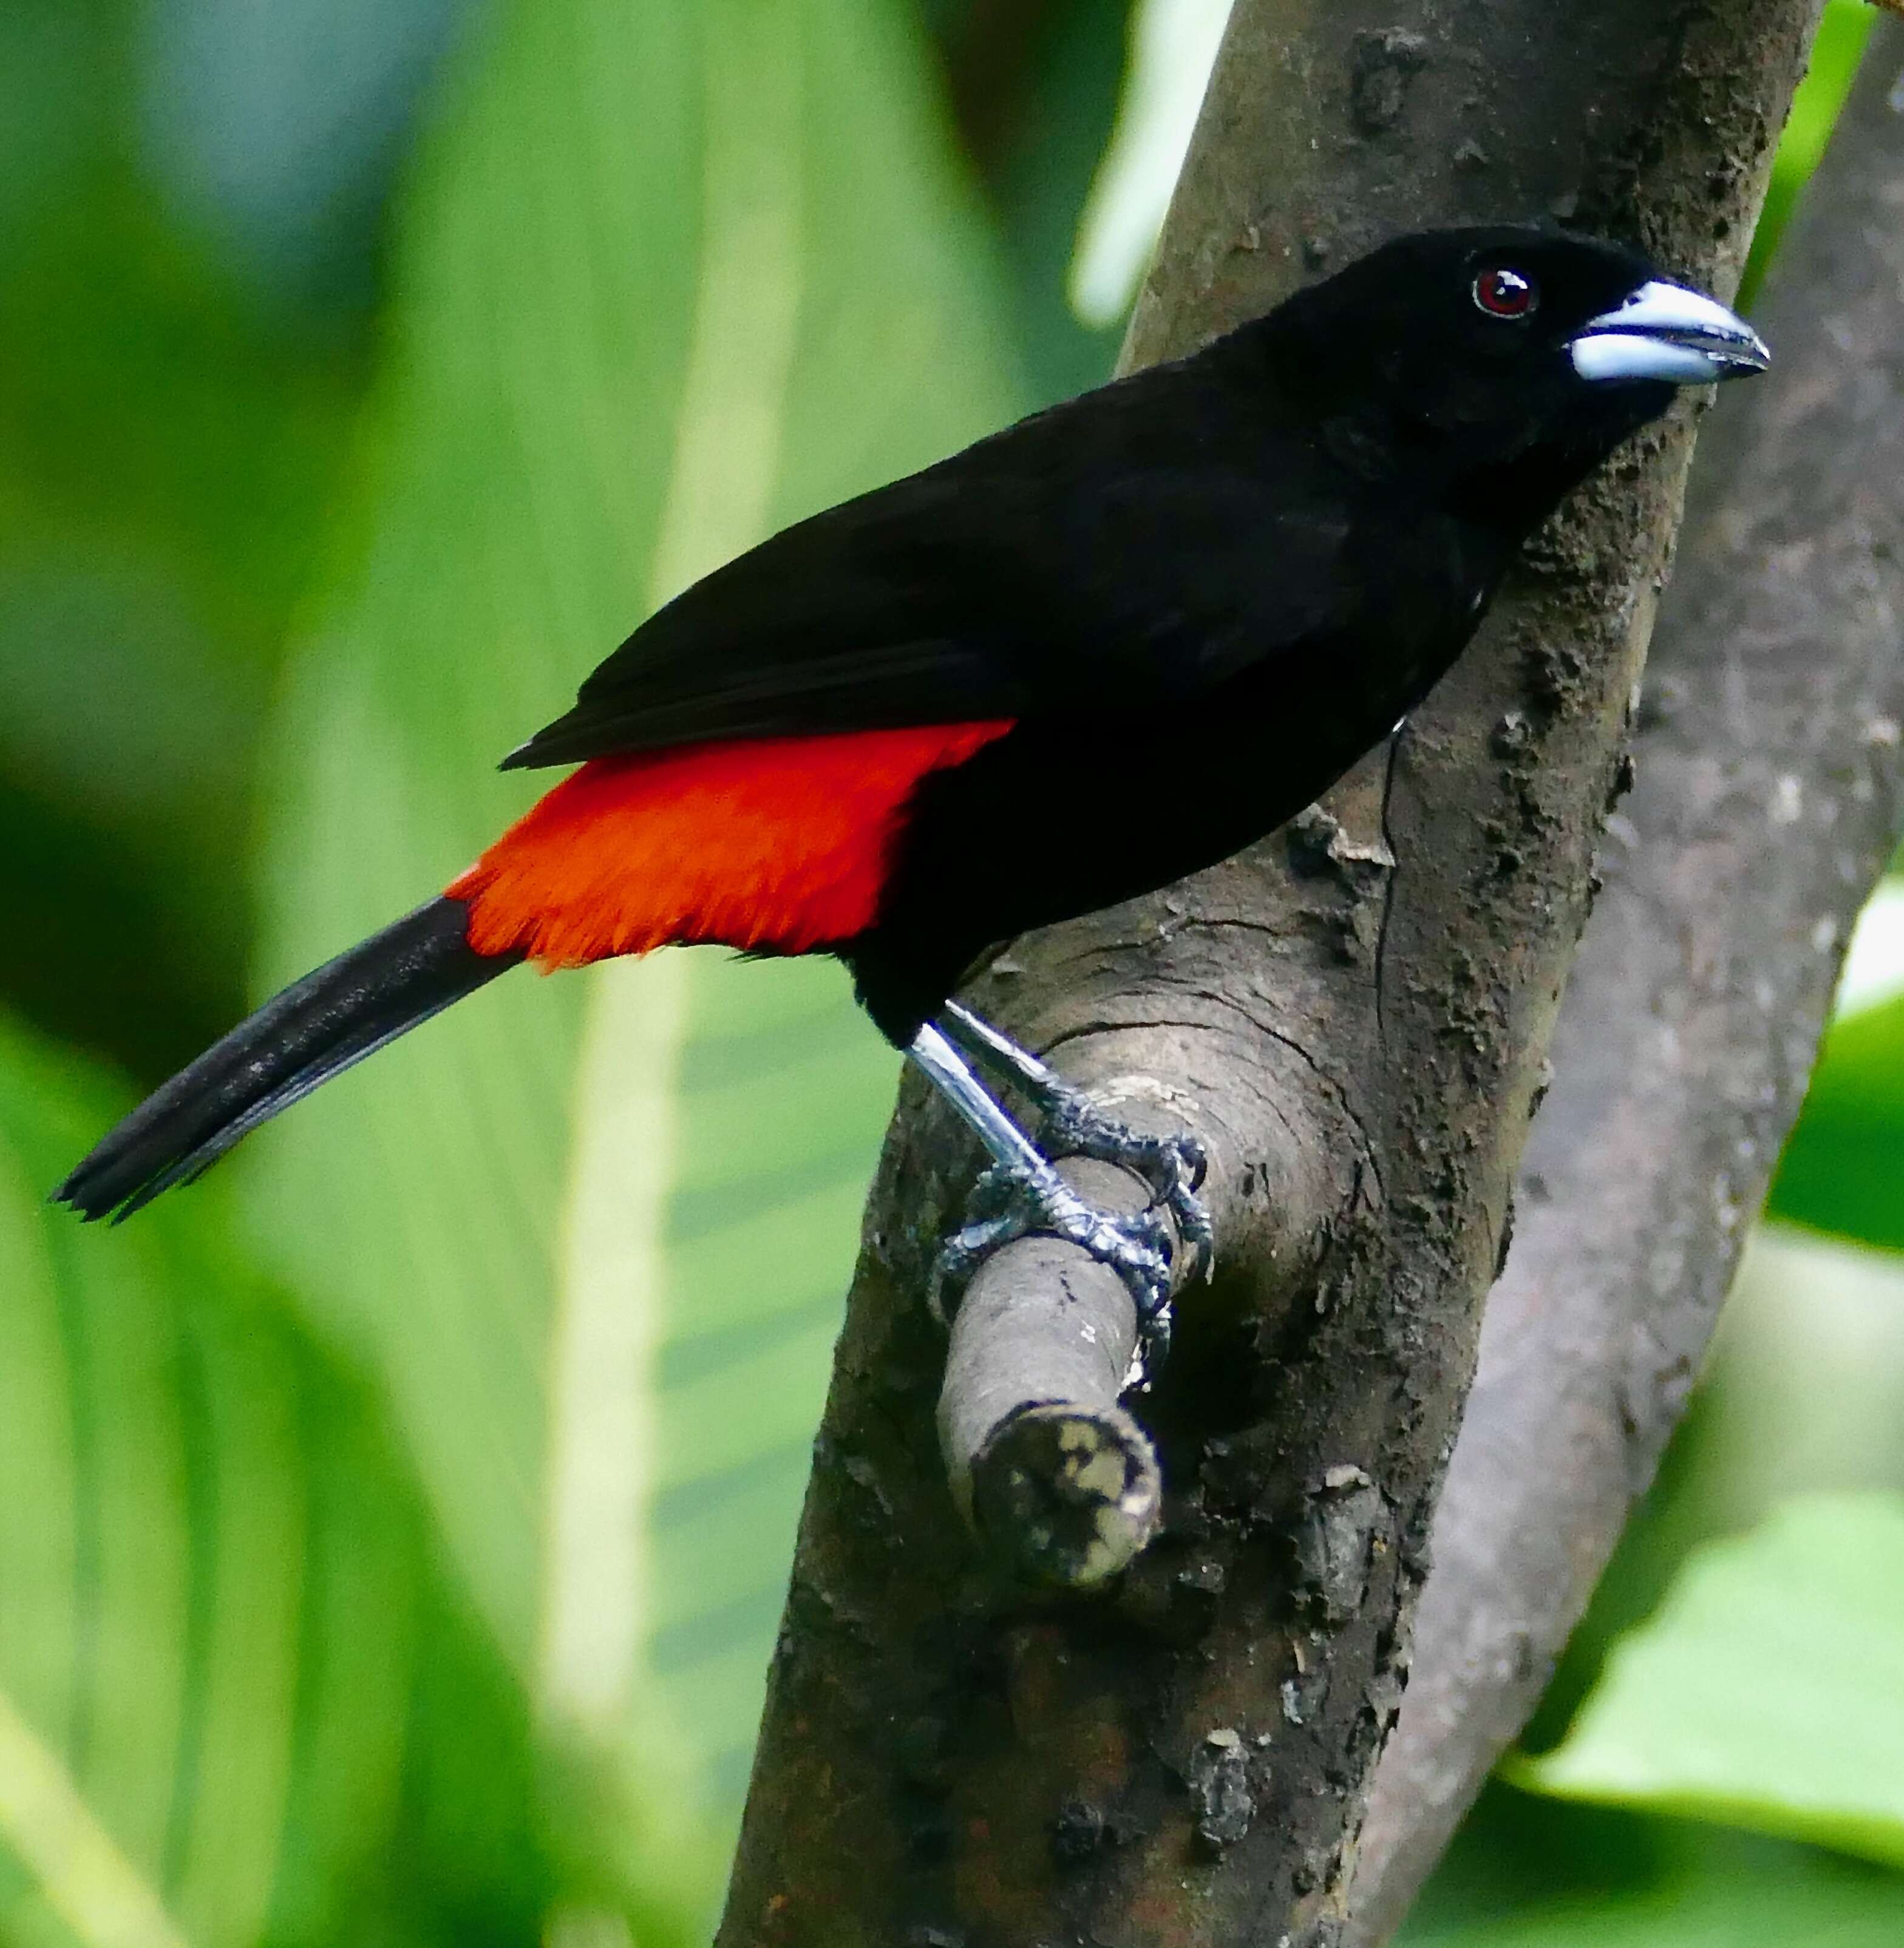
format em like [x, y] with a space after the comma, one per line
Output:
[776, 843]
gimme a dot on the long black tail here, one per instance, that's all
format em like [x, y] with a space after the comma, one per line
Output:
[347, 1009]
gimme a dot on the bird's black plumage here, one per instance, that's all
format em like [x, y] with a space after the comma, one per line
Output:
[1376, 443]
[315, 1028]
[1198, 595]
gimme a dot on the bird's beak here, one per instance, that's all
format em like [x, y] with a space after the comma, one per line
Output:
[1666, 332]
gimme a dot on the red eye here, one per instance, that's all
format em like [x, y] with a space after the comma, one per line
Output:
[1505, 293]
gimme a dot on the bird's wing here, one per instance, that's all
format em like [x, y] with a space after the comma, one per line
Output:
[1057, 565]
[850, 621]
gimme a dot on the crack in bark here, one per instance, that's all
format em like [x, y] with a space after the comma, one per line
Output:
[1393, 759]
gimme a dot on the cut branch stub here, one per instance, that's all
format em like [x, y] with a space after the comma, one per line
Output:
[1071, 1492]
[1055, 1475]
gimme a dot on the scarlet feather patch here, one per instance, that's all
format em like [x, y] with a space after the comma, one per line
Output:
[779, 843]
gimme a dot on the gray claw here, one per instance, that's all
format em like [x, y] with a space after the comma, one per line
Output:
[1007, 1204]
[1174, 1167]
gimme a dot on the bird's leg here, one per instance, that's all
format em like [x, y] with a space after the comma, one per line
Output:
[1022, 1193]
[1073, 1125]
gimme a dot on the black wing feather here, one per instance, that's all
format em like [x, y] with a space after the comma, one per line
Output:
[1129, 550]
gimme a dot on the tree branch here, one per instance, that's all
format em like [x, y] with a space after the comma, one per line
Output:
[1767, 799]
[1047, 1466]
[1357, 1011]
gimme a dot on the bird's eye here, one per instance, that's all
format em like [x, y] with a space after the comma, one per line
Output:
[1503, 293]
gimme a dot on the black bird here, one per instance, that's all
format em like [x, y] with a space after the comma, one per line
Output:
[1204, 589]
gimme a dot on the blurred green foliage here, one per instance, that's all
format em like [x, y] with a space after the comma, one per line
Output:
[1840, 1171]
[239, 1699]
[1842, 32]
[1713, 1706]
[1701, 1894]
[166, 453]
[392, 1534]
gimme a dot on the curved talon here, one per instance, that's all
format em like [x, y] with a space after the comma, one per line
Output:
[1007, 1204]
[1174, 1167]
[1022, 1194]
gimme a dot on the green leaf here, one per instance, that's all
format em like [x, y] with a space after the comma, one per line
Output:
[166, 456]
[1767, 1691]
[1839, 1172]
[1836, 49]
[668, 278]
[239, 1701]
[1823, 1904]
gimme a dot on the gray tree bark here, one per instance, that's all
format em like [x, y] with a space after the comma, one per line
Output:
[1353, 1017]
[1767, 803]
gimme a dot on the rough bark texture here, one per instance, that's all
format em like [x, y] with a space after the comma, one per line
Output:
[1767, 800]
[1354, 1017]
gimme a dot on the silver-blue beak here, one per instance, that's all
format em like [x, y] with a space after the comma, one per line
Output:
[1667, 332]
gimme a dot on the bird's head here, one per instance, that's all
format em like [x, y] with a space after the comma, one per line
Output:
[1509, 337]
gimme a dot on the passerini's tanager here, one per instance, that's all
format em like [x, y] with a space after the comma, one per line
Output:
[1193, 596]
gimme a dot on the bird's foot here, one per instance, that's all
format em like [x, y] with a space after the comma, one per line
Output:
[1074, 1125]
[1010, 1202]
[1173, 1166]
[1022, 1194]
